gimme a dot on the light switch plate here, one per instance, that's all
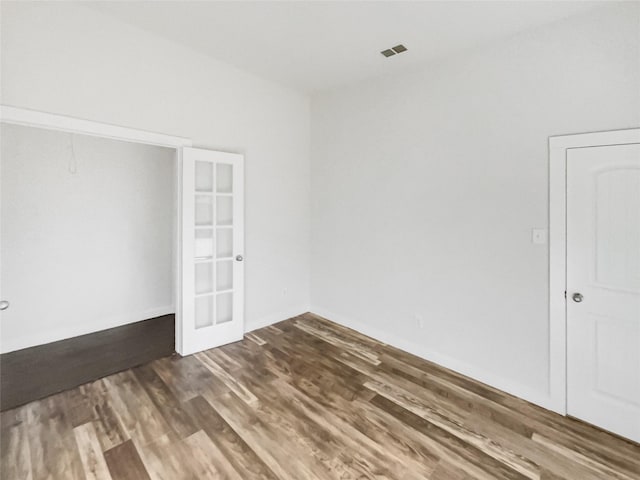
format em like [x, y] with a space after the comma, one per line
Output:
[539, 236]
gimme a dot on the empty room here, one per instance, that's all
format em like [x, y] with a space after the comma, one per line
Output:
[319, 240]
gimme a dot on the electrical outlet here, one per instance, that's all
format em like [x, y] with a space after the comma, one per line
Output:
[419, 320]
[284, 292]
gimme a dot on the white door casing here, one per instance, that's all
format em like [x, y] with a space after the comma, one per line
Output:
[212, 250]
[63, 123]
[559, 146]
[603, 286]
[188, 338]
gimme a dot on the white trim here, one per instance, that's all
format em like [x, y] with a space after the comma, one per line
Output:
[250, 326]
[470, 370]
[52, 121]
[558, 146]
[97, 325]
[177, 249]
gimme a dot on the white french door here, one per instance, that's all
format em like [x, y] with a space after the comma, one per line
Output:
[212, 244]
[603, 287]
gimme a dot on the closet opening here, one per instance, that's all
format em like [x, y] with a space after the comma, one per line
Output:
[88, 251]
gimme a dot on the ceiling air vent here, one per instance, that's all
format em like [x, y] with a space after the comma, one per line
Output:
[392, 51]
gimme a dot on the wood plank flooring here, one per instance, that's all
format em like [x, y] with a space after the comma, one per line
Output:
[304, 399]
[37, 372]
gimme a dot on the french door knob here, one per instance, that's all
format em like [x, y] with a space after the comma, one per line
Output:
[4, 305]
[577, 297]
[239, 258]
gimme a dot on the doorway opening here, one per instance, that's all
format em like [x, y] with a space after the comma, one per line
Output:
[595, 278]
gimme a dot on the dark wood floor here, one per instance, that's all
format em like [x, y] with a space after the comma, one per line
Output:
[304, 399]
[37, 372]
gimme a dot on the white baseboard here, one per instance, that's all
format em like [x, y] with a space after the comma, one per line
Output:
[525, 392]
[275, 318]
[95, 325]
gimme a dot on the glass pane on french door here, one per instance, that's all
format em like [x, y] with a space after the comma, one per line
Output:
[214, 233]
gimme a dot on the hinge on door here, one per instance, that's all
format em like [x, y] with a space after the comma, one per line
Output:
[565, 294]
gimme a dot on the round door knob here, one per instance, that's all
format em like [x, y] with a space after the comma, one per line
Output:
[577, 297]
[239, 258]
[4, 305]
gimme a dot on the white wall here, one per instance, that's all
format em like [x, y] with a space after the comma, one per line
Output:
[71, 60]
[425, 187]
[88, 250]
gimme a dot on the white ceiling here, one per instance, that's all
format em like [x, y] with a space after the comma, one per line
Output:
[316, 45]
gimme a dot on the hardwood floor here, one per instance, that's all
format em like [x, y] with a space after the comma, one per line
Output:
[303, 399]
[37, 372]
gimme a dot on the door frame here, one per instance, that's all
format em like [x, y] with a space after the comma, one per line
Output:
[52, 121]
[558, 147]
[63, 123]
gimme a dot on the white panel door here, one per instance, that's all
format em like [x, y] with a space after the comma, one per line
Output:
[212, 244]
[603, 287]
